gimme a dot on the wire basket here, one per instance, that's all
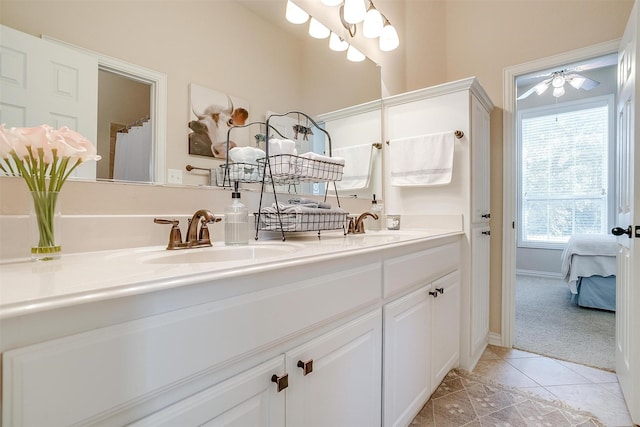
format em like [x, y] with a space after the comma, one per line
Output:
[238, 172]
[297, 221]
[287, 168]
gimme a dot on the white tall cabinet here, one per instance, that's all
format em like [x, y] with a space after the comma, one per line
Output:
[460, 105]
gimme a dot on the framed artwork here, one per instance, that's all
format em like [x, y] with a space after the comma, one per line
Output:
[211, 114]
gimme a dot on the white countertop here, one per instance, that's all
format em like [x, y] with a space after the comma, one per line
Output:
[28, 287]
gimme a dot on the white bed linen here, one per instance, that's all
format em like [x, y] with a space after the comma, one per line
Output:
[588, 255]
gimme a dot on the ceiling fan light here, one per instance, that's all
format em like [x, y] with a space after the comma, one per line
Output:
[558, 91]
[557, 81]
[295, 14]
[389, 38]
[354, 11]
[337, 44]
[577, 82]
[331, 2]
[317, 30]
[354, 55]
[372, 26]
[541, 88]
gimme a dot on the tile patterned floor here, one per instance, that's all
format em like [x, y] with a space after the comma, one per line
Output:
[581, 387]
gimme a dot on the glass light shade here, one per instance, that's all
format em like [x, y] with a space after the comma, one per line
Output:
[331, 2]
[541, 88]
[295, 14]
[558, 81]
[558, 91]
[372, 26]
[317, 30]
[577, 82]
[355, 55]
[354, 11]
[389, 38]
[337, 44]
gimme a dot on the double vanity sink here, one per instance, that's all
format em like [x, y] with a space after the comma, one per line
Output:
[29, 287]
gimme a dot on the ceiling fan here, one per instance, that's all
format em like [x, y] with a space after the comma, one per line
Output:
[557, 80]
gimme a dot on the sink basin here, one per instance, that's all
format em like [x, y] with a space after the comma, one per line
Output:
[218, 254]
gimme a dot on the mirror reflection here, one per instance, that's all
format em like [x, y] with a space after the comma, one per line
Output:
[274, 67]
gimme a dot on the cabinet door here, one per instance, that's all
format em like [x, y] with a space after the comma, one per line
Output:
[407, 356]
[343, 374]
[247, 399]
[446, 327]
[479, 291]
[480, 166]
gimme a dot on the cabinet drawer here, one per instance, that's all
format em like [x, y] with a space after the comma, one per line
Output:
[84, 377]
[407, 271]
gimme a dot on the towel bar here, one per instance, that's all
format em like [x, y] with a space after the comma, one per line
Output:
[457, 133]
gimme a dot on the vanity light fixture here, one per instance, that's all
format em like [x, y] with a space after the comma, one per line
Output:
[317, 30]
[354, 55]
[295, 14]
[337, 44]
[373, 23]
[354, 11]
[389, 39]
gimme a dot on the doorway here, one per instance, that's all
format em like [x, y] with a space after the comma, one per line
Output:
[524, 258]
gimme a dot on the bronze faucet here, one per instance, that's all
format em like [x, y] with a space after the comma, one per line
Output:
[194, 239]
[356, 226]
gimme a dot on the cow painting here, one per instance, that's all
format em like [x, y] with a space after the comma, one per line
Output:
[209, 132]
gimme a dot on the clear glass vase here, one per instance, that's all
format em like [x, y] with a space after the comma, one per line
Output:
[44, 222]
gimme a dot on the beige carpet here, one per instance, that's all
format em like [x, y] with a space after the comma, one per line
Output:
[466, 399]
[549, 323]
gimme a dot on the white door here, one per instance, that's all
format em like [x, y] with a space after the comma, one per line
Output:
[628, 222]
[43, 82]
[335, 379]
[407, 356]
[247, 399]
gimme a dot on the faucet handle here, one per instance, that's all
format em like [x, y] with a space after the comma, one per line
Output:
[204, 230]
[175, 236]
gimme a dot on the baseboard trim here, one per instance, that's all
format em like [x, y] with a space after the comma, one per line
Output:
[534, 273]
[495, 339]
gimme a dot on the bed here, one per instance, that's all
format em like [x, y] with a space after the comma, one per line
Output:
[589, 268]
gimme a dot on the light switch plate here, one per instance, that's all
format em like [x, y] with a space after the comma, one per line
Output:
[174, 176]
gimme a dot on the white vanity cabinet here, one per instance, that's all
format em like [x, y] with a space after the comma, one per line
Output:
[247, 399]
[334, 380]
[421, 328]
[445, 330]
[464, 106]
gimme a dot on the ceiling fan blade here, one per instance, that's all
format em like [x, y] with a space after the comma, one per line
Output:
[581, 82]
[539, 87]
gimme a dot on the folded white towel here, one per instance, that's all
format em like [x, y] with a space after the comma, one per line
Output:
[357, 166]
[245, 154]
[422, 160]
[314, 165]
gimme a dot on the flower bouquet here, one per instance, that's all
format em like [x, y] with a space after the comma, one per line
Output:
[44, 157]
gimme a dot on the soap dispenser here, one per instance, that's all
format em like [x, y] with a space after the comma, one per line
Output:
[378, 209]
[236, 221]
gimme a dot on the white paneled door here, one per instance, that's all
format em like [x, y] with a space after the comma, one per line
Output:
[628, 222]
[43, 82]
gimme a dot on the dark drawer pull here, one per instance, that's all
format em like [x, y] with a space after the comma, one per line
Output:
[441, 290]
[307, 367]
[434, 293]
[281, 382]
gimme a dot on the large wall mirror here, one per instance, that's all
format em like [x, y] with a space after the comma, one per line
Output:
[242, 48]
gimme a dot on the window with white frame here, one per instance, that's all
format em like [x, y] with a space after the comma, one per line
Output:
[564, 171]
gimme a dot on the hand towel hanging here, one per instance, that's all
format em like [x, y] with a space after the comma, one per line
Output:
[425, 160]
[357, 166]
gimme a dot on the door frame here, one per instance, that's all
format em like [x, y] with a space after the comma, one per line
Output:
[509, 170]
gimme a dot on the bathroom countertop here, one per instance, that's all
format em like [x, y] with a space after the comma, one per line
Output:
[28, 287]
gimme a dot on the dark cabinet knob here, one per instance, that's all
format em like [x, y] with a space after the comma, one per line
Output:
[619, 231]
[486, 233]
[281, 382]
[434, 293]
[441, 290]
[307, 367]
[487, 215]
